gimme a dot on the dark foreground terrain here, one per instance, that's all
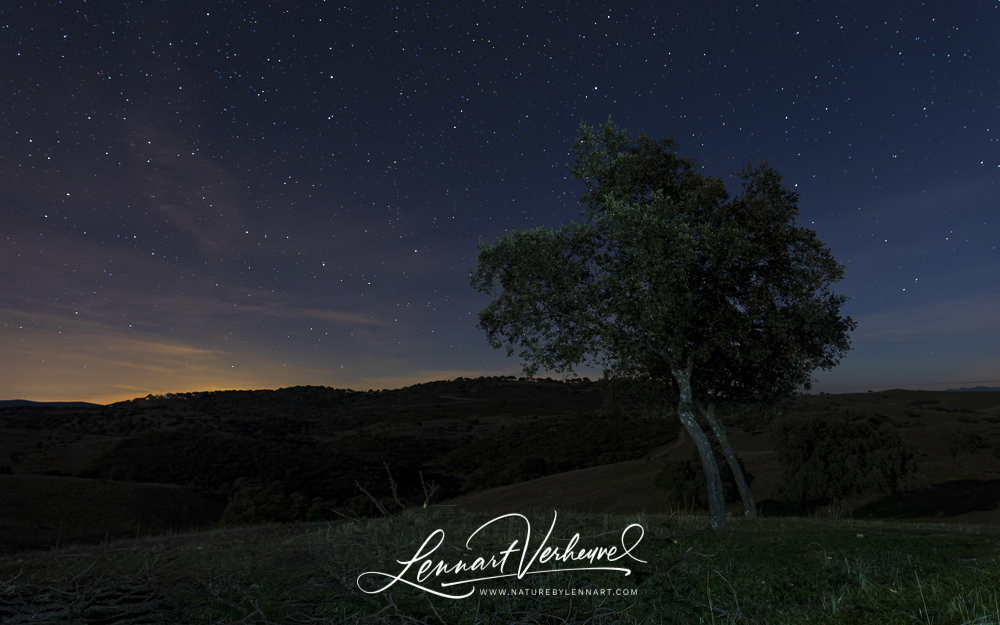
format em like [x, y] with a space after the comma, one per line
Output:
[773, 570]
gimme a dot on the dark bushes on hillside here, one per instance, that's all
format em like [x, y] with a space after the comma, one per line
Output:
[253, 504]
[843, 454]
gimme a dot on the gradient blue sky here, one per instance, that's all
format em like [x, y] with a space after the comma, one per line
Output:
[202, 195]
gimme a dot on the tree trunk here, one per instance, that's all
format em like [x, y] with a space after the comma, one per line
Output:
[749, 506]
[713, 481]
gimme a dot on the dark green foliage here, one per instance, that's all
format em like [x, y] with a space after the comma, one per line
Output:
[667, 270]
[684, 481]
[667, 277]
[639, 392]
[253, 504]
[825, 455]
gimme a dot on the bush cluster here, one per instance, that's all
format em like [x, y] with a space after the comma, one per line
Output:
[842, 454]
[254, 504]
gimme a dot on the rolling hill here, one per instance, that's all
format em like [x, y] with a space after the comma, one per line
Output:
[81, 474]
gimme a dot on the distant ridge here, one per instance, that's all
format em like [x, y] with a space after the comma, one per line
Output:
[21, 403]
[974, 389]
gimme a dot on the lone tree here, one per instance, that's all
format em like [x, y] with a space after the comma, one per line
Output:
[667, 278]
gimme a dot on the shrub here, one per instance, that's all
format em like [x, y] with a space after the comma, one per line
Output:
[253, 504]
[684, 480]
[841, 455]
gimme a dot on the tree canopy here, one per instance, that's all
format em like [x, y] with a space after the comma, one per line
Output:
[670, 277]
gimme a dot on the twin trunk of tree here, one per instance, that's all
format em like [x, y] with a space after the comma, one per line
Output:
[749, 506]
[713, 479]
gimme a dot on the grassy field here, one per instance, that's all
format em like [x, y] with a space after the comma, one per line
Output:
[765, 571]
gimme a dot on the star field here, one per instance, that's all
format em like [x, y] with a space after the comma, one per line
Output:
[199, 196]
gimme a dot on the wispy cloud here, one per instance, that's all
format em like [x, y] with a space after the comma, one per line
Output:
[192, 194]
[277, 308]
[103, 367]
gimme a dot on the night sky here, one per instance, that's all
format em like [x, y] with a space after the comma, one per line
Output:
[238, 195]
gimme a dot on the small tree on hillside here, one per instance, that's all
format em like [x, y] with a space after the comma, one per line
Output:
[965, 443]
[667, 277]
